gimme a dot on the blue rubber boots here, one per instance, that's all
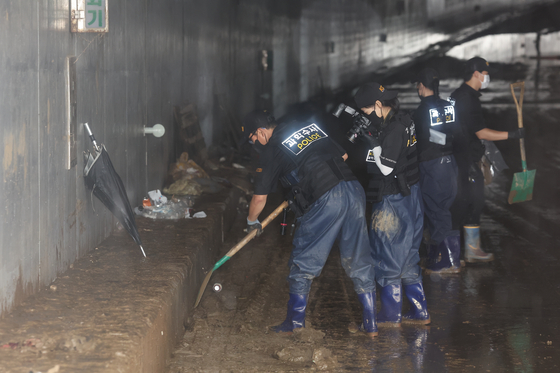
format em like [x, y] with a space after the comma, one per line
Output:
[418, 313]
[369, 321]
[445, 257]
[391, 304]
[295, 317]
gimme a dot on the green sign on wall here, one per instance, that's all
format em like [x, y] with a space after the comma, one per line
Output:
[89, 16]
[95, 14]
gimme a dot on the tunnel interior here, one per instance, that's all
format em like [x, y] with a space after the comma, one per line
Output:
[176, 63]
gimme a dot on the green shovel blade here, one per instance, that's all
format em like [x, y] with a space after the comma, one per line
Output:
[522, 186]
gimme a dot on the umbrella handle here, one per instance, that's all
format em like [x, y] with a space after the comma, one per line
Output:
[92, 138]
[519, 107]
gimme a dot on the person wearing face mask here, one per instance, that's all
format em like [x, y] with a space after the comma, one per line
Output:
[468, 150]
[329, 204]
[396, 224]
[436, 126]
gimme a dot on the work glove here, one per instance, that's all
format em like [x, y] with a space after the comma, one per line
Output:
[252, 225]
[516, 134]
[373, 142]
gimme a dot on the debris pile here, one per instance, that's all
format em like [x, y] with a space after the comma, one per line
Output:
[185, 174]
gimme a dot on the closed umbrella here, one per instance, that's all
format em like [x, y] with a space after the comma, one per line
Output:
[104, 182]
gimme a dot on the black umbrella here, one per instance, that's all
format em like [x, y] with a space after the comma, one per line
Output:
[100, 176]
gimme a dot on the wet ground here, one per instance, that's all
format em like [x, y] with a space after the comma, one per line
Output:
[496, 317]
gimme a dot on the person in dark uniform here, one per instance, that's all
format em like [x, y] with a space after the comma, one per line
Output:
[329, 204]
[468, 150]
[397, 213]
[436, 126]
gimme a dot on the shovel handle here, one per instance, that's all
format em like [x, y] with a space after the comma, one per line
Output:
[519, 107]
[252, 235]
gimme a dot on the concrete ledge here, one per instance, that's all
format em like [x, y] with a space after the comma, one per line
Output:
[115, 311]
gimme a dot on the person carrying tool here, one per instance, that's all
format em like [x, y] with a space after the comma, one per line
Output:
[436, 126]
[468, 151]
[397, 212]
[329, 204]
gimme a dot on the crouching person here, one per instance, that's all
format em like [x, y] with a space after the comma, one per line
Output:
[329, 204]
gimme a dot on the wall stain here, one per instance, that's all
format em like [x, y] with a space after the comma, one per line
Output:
[14, 152]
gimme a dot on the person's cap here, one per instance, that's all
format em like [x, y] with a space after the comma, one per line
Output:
[426, 76]
[253, 121]
[477, 64]
[369, 93]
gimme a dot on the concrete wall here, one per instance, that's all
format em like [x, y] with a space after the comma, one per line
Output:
[158, 54]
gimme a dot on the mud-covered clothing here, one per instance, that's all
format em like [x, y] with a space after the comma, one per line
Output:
[304, 157]
[338, 215]
[395, 230]
[468, 151]
[398, 151]
[438, 168]
[395, 234]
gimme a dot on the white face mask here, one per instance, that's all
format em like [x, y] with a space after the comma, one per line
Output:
[485, 82]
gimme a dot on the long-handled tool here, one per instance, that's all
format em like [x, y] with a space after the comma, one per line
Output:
[523, 182]
[236, 248]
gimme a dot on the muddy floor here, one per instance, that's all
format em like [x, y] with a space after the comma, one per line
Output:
[495, 317]
[499, 317]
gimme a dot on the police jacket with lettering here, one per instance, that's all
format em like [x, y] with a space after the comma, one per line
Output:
[439, 115]
[302, 155]
[399, 151]
[468, 146]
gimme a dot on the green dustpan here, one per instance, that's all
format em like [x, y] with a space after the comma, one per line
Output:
[523, 182]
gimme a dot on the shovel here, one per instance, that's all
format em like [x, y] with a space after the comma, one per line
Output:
[238, 247]
[522, 184]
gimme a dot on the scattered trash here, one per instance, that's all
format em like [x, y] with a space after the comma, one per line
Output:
[217, 287]
[200, 215]
[186, 168]
[32, 342]
[222, 159]
[11, 345]
[157, 198]
[174, 209]
[237, 165]
[184, 187]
